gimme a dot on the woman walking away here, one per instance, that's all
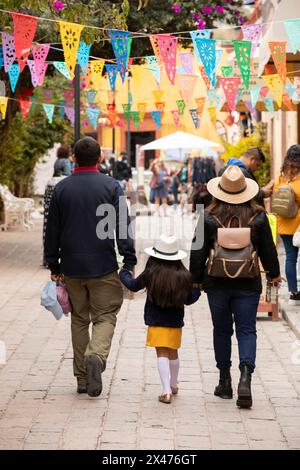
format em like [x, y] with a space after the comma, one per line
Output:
[169, 287]
[286, 204]
[236, 234]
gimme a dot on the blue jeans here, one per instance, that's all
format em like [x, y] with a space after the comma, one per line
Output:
[291, 253]
[227, 306]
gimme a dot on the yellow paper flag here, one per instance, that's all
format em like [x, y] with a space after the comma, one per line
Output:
[275, 86]
[213, 114]
[142, 110]
[97, 68]
[158, 95]
[70, 38]
[3, 105]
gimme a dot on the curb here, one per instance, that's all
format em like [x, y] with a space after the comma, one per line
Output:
[292, 317]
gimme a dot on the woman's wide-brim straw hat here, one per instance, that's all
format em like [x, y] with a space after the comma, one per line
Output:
[233, 187]
[166, 248]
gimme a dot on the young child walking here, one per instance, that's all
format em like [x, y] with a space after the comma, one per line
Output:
[169, 287]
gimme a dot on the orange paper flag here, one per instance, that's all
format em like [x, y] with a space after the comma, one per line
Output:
[204, 76]
[278, 51]
[200, 105]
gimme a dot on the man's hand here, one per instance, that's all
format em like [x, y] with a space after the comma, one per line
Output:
[268, 189]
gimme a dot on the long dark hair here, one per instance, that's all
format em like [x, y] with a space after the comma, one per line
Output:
[224, 211]
[291, 164]
[168, 282]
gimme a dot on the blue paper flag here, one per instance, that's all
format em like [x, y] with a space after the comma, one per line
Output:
[269, 105]
[1, 57]
[156, 115]
[254, 92]
[49, 110]
[292, 28]
[219, 55]
[62, 105]
[62, 68]
[199, 33]
[154, 67]
[83, 55]
[290, 89]
[207, 53]
[14, 73]
[195, 117]
[91, 95]
[121, 43]
[112, 72]
[93, 114]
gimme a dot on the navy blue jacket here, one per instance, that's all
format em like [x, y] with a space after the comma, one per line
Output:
[154, 315]
[72, 246]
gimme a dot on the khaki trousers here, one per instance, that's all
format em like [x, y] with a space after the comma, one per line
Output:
[98, 301]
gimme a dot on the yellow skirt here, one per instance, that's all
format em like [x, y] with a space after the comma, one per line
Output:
[162, 337]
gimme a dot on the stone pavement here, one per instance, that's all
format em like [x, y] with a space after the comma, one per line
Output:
[39, 407]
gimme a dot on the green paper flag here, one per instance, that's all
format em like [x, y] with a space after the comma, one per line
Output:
[126, 107]
[181, 106]
[227, 71]
[243, 52]
[135, 116]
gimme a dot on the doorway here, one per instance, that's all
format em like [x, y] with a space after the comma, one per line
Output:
[140, 138]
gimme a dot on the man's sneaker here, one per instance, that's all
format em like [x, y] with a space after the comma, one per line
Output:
[93, 372]
[81, 388]
[295, 299]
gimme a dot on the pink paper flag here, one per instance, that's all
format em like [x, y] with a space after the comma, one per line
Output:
[168, 49]
[9, 51]
[252, 33]
[24, 31]
[186, 60]
[34, 75]
[70, 113]
[231, 88]
[176, 117]
[40, 52]
[41, 73]
[186, 86]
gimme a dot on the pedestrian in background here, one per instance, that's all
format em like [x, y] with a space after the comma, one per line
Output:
[233, 294]
[169, 287]
[63, 165]
[287, 226]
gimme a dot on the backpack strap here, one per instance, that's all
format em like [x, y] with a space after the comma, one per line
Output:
[219, 222]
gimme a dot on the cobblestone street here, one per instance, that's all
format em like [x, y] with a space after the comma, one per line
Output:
[39, 406]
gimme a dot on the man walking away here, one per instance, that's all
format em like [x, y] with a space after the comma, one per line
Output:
[250, 162]
[76, 249]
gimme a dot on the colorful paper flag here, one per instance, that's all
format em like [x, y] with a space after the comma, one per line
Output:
[200, 105]
[83, 55]
[136, 72]
[264, 91]
[219, 55]
[97, 68]
[154, 67]
[49, 111]
[25, 104]
[13, 74]
[112, 72]
[290, 89]
[212, 96]
[243, 52]
[93, 114]
[292, 28]
[135, 116]
[168, 51]
[121, 44]
[186, 85]
[230, 86]
[1, 57]
[61, 108]
[205, 77]
[156, 115]
[269, 105]
[126, 107]
[275, 86]
[254, 93]
[186, 60]
[154, 43]
[181, 106]
[40, 53]
[195, 117]
[142, 110]
[176, 117]
[62, 68]
[207, 53]
[33, 72]
[9, 51]
[70, 38]
[252, 33]
[278, 51]
[227, 70]
[41, 73]
[69, 95]
[24, 31]
[213, 114]
[202, 34]
[3, 106]
[160, 106]
[287, 102]
[70, 113]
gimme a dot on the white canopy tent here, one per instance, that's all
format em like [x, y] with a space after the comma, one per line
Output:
[181, 141]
